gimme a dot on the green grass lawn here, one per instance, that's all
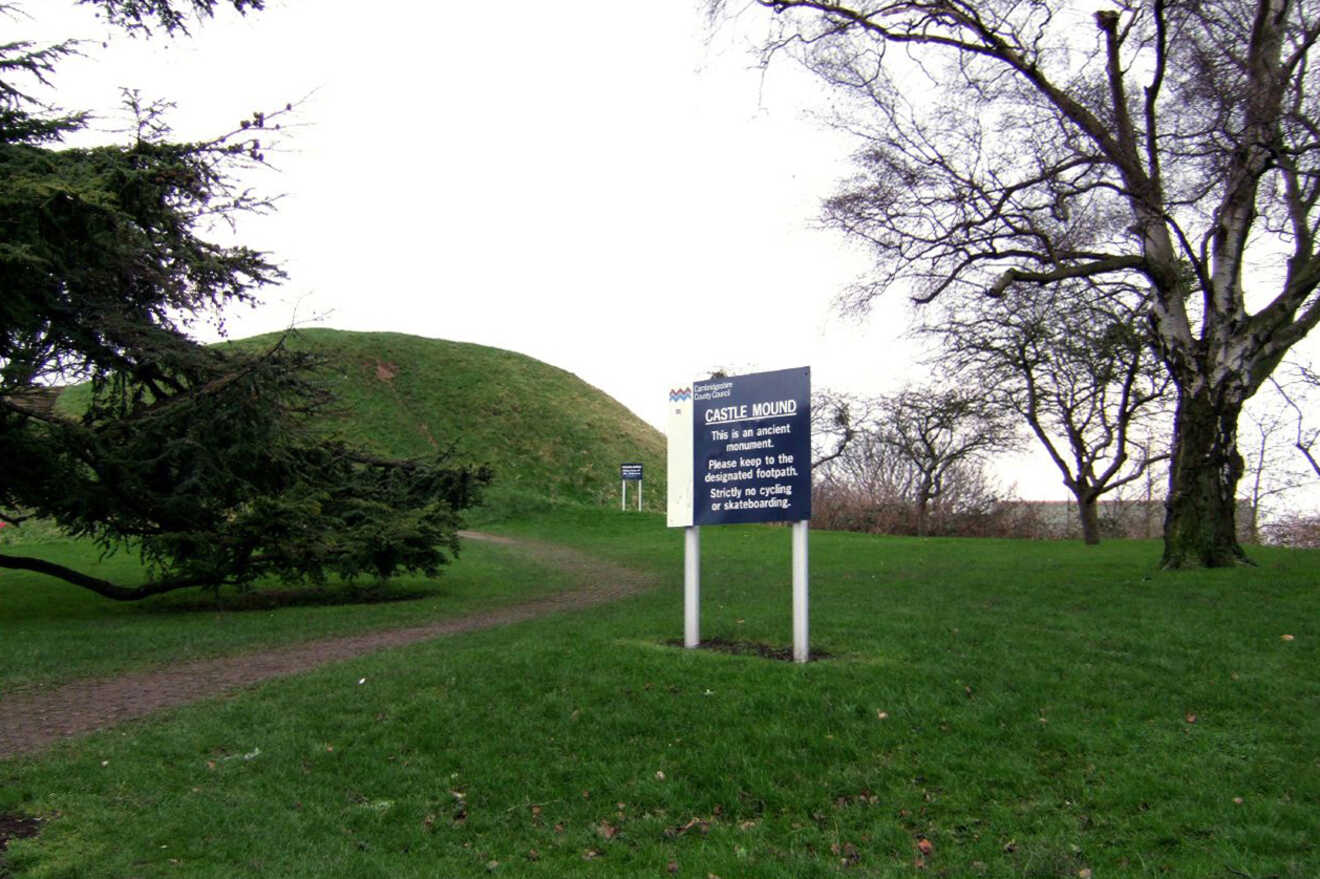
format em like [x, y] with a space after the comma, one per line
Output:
[990, 708]
[54, 632]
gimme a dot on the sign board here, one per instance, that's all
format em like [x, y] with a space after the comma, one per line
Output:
[630, 472]
[740, 449]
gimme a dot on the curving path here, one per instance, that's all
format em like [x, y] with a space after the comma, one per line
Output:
[31, 721]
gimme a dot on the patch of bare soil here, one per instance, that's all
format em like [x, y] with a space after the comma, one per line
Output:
[751, 648]
[17, 827]
[29, 721]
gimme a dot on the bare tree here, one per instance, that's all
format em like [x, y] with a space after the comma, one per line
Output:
[1077, 368]
[915, 459]
[1306, 435]
[1171, 145]
[936, 432]
[862, 489]
[1269, 455]
[837, 420]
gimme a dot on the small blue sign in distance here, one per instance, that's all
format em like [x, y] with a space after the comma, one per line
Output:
[630, 472]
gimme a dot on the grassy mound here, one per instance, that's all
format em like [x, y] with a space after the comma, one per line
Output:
[550, 437]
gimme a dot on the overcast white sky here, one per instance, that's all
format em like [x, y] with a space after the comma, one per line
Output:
[593, 184]
[600, 185]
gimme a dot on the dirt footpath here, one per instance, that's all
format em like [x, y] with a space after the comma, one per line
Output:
[30, 721]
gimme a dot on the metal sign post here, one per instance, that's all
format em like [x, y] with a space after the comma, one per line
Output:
[801, 650]
[692, 586]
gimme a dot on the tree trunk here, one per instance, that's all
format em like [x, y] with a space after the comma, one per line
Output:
[1089, 513]
[923, 516]
[1200, 527]
[926, 494]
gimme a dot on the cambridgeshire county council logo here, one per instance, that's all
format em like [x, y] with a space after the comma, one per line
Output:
[681, 395]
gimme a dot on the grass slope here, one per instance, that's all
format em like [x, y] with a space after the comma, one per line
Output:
[550, 437]
[992, 708]
[548, 434]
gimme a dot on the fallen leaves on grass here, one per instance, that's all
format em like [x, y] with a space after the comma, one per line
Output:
[700, 825]
[865, 798]
[847, 853]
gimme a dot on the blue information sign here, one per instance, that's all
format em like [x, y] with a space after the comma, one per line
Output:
[751, 444]
[630, 472]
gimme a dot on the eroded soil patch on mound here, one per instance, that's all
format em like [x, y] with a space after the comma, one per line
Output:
[31, 720]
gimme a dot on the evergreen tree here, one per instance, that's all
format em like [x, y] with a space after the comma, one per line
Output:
[203, 459]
